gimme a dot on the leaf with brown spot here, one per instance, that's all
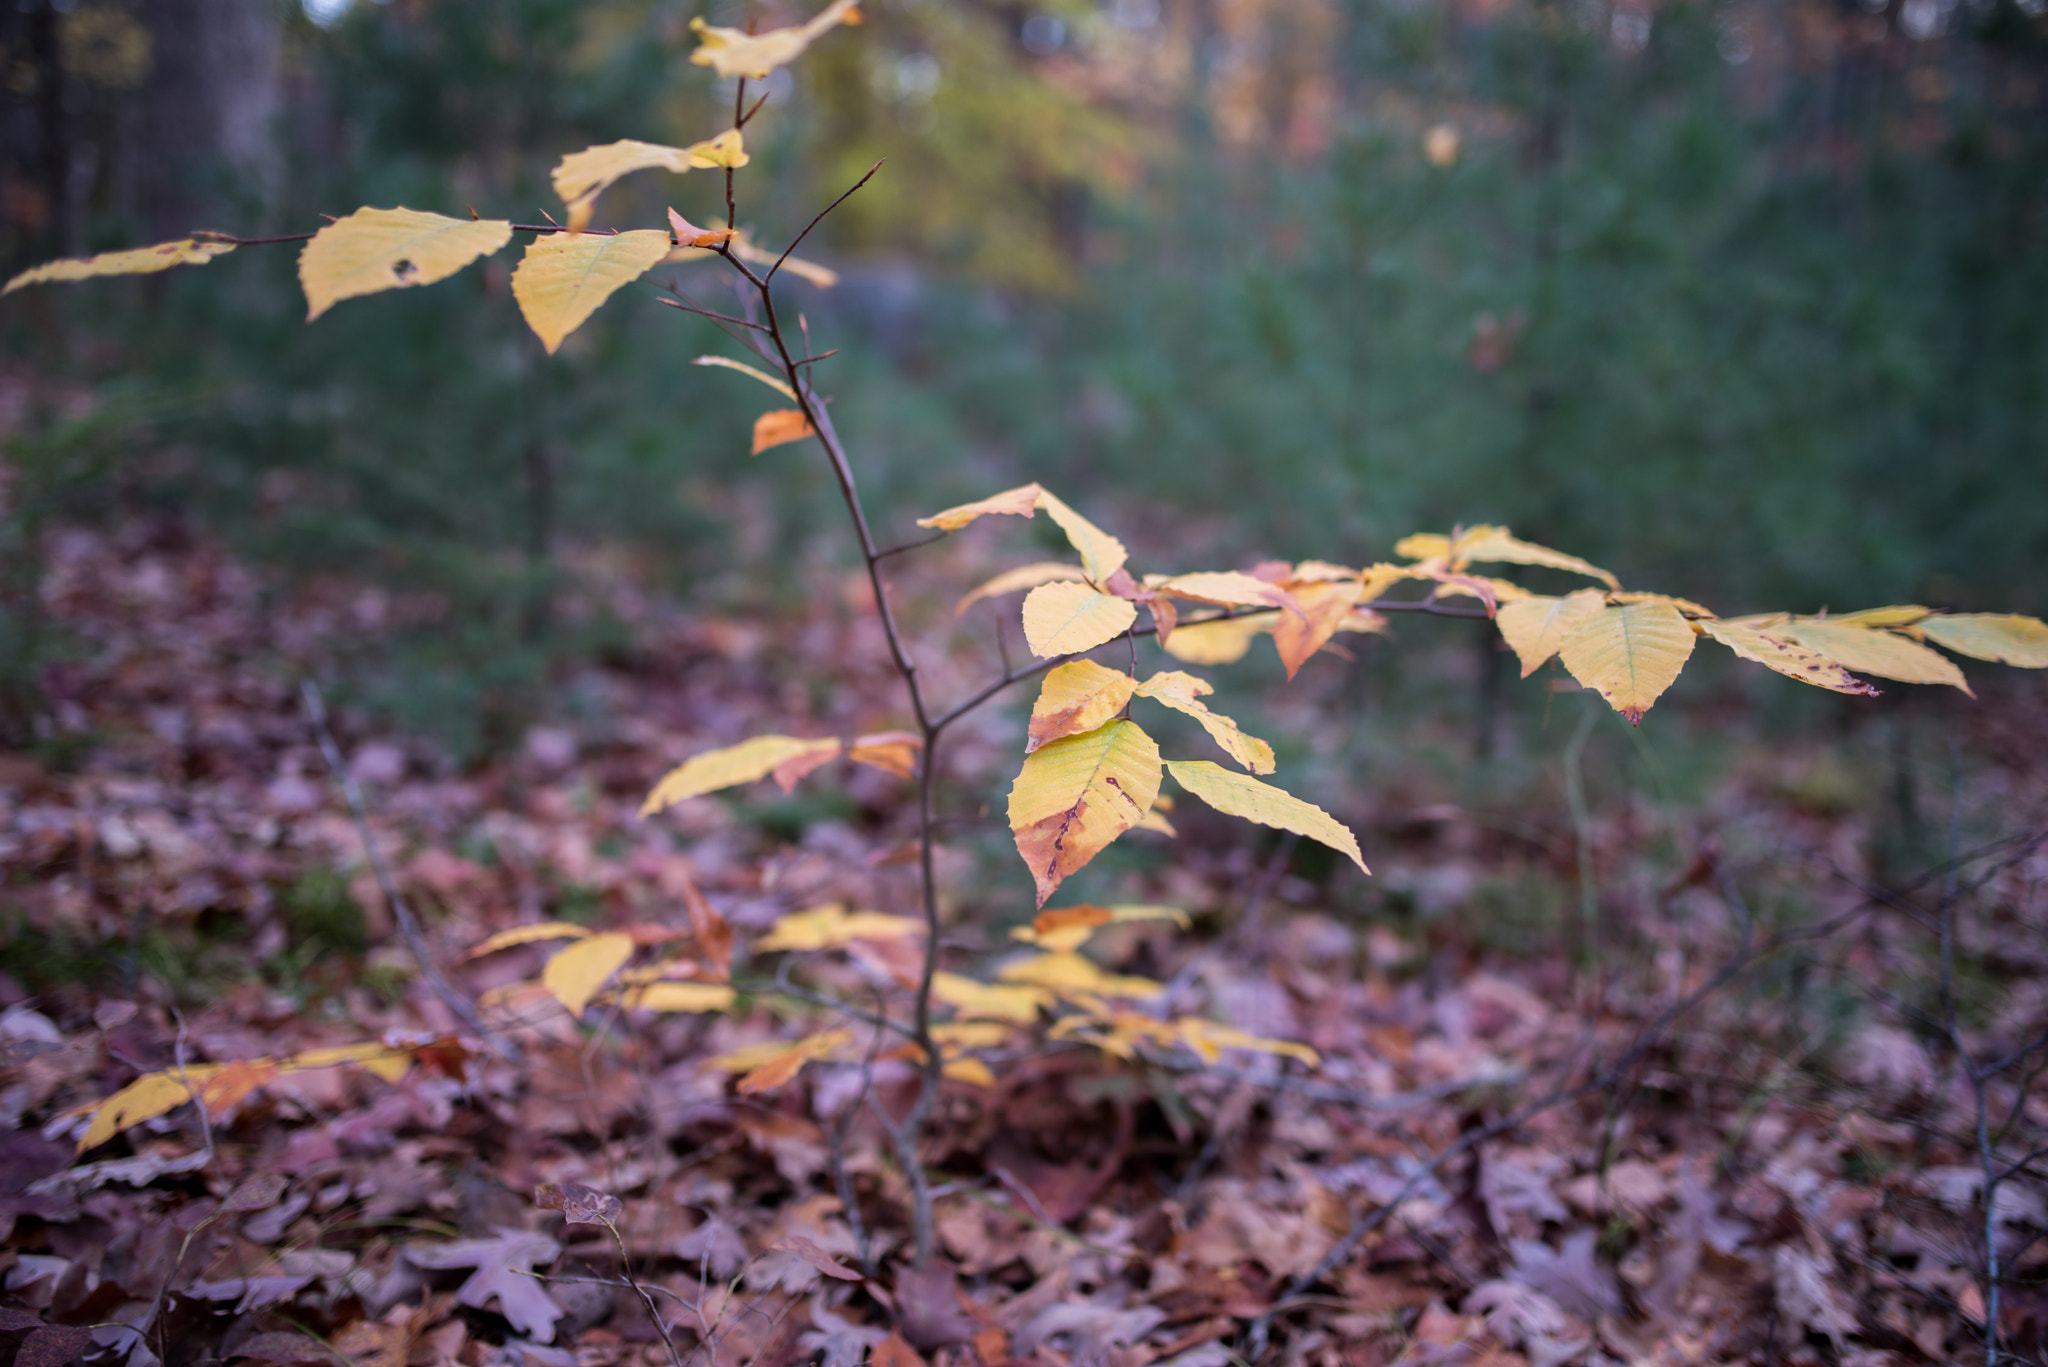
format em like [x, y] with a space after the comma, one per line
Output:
[1077, 794]
[373, 250]
[1792, 660]
[1077, 696]
[135, 261]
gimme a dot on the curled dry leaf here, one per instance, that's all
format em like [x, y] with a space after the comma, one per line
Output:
[688, 234]
[135, 261]
[580, 177]
[754, 372]
[580, 1205]
[893, 752]
[781, 425]
[734, 52]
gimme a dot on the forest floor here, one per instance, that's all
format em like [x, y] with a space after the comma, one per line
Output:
[1741, 1103]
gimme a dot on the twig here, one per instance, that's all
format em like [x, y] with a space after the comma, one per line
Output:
[819, 219]
[408, 925]
[908, 545]
[721, 317]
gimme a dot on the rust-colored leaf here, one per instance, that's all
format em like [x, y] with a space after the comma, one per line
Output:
[781, 425]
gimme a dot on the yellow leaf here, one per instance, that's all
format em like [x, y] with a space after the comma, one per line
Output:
[1321, 571]
[734, 52]
[389, 249]
[1023, 577]
[735, 764]
[1628, 655]
[2002, 639]
[680, 997]
[969, 1070]
[1068, 928]
[769, 1065]
[1064, 619]
[893, 752]
[1155, 820]
[743, 368]
[381, 1059]
[779, 426]
[830, 926]
[1323, 608]
[953, 1036]
[1217, 641]
[1533, 626]
[1872, 652]
[1794, 661]
[1076, 795]
[526, 935]
[986, 1001]
[1424, 546]
[1229, 588]
[1685, 605]
[574, 974]
[1262, 802]
[580, 177]
[1375, 580]
[135, 261]
[1070, 975]
[1495, 545]
[1101, 554]
[1019, 502]
[1183, 693]
[1888, 618]
[1076, 697]
[146, 1098]
[1208, 1039]
[566, 277]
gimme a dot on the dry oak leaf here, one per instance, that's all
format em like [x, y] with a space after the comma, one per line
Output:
[386, 249]
[580, 177]
[580, 1205]
[788, 758]
[1183, 693]
[1077, 794]
[781, 425]
[1065, 619]
[1871, 651]
[575, 974]
[831, 926]
[2006, 639]
[1533, 626]
[1075, 697]
[1237, 795]
[566, 277]
[504, 1269]
[734, 52]
[1629, 655]
[1787, 658]
[185, 251]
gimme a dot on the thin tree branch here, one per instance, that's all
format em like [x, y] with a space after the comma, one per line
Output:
[819, 219]
[677, 303]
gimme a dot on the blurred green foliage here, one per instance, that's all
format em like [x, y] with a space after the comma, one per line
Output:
[1763, 338]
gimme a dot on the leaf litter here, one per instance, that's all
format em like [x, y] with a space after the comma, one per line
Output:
[1748, 1191]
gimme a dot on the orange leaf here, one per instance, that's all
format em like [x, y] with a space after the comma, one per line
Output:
[781, 425]
[688, 234]
[894, 1352]
[1324, 606]
[893, 752]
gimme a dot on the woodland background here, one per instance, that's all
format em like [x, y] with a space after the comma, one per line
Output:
[1741, 299]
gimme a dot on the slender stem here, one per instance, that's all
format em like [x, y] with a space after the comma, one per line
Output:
[721, 317]
[816, 221]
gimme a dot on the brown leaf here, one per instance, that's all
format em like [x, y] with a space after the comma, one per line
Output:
[792, 770]
[258, 1193]
[53, 1345]
[713, 933]
[1324, 607]
[893, 752]
[928, 1312]
[894, 1352]
[688, 234]
[281, 1347]
[580, 1205]
[809, 1251]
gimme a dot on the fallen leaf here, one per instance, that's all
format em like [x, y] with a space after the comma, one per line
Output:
[504, 1267]
[575, 974]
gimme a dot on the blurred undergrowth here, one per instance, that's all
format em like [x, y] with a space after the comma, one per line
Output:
[1763, 335]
